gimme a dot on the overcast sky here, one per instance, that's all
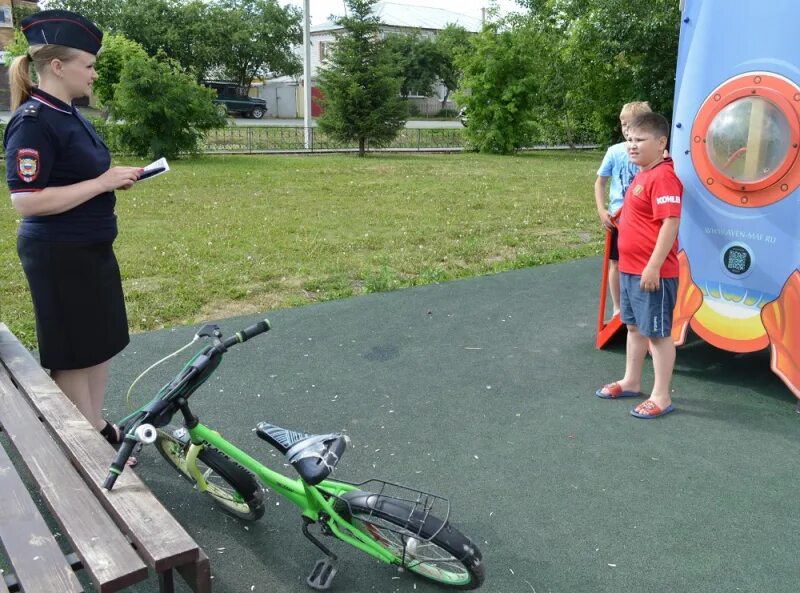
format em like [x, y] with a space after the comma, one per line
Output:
[322, 9]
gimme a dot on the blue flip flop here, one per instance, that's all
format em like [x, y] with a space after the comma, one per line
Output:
[653, 411]
[616, 392]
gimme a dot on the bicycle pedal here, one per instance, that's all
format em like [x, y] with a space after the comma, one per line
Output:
[322, 575]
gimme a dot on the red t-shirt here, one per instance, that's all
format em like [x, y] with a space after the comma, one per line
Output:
[652, 196]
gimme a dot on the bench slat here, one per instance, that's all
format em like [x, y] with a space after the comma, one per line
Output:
[32, 550]
[106, 554]
[158, 537]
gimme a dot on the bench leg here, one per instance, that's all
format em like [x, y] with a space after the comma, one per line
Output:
[197, 574]
[166, 581]
[9, 582]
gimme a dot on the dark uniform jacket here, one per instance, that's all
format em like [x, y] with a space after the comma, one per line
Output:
[49, 144]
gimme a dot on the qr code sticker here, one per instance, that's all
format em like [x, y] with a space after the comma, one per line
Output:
[737, 261]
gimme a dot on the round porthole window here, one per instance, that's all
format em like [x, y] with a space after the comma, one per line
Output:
[745, 140]
[748, 140]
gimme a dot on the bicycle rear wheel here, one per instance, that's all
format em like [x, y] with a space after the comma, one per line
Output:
[234, 489]
[434, 549]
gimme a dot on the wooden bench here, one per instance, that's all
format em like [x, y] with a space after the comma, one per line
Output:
[114, 536]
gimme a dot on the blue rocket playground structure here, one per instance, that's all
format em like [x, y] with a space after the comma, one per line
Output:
[736, 145]
[736, 142]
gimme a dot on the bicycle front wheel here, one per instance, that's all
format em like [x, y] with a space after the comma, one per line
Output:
[435, 549]
[234, 489]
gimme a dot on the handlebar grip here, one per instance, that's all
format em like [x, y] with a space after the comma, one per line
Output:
[253, 330]
[119, 462]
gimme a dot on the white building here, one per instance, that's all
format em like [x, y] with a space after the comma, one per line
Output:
[395, 19]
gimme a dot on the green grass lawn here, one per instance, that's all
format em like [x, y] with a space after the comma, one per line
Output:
[227, 235]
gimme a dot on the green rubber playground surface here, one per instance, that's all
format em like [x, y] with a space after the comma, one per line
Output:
[481, 391]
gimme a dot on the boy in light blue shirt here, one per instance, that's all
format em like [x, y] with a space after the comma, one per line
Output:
[617, 167]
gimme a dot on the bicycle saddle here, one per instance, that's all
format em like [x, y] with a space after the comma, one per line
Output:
[313, 455]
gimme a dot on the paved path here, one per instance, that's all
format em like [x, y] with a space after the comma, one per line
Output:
[481, 390]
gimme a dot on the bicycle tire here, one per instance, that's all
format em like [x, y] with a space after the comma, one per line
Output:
[455, 561]
[235, 490]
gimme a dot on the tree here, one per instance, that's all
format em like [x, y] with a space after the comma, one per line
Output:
[624, 50]
[595, 55]
[259, 40]
[422, 62]
[21, 11]
[207, 23]
[609, 52]
[188, 32]
[359, 84]
[242, 38]
[118, 50]
[503, 77]
[103, 13]
[452, 47]
[18, 46]
[164, 111]
[417, 60]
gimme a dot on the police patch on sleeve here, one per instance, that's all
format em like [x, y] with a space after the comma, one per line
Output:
[27, 164]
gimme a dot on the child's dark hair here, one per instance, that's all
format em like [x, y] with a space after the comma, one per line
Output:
[651, 123]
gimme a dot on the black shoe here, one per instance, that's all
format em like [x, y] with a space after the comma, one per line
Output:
[112, 433]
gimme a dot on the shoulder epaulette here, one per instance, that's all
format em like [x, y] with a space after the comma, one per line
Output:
[31, 109]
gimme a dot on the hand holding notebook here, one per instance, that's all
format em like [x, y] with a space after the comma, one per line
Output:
[154, 169]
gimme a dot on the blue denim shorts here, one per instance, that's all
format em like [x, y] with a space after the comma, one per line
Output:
[650, 312]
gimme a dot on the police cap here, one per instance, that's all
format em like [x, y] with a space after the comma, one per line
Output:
[62, 27]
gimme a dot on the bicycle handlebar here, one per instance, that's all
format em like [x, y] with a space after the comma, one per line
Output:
[132, 437]
[119, 463]
[247, 333]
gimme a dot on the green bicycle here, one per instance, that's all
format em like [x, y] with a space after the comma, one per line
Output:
[393, 523]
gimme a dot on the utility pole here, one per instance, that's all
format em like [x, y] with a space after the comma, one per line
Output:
[307, 71]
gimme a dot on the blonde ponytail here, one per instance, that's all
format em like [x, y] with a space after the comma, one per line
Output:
[19, 78]
[19, 74]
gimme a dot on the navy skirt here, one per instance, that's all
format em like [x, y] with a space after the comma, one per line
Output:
[78, 302]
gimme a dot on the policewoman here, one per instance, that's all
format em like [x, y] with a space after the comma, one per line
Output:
[61, 181]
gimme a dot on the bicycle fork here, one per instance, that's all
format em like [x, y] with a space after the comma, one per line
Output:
[191, 466]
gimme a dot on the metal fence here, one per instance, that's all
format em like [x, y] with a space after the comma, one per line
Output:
[260, 139]
[283, 139]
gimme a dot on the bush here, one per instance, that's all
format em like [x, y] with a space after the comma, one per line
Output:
[108, 131]
[504, 79]
[447, 113]
[18, 46]
[164, 112]
[117, 51]
[412, 108]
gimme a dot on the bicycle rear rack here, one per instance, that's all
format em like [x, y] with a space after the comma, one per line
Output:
[420, 504]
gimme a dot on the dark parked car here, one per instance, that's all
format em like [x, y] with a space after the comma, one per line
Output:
[234, 99]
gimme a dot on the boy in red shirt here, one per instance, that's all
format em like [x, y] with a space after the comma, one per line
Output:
[648, 265]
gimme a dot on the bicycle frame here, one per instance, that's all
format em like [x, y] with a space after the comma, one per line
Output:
[309, 499]
[379, 506]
